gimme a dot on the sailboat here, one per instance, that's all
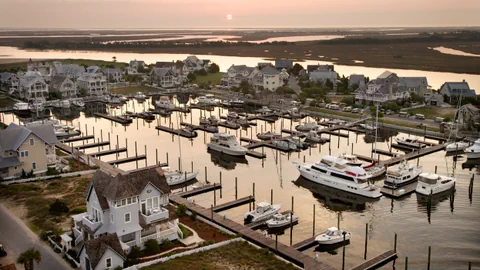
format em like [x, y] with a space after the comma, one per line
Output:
[178, 176]
[455, 146]
[374, 169]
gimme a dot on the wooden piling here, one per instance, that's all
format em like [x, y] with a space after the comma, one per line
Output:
[291, 223]
[395, 243]
[343, 256]
[313, 233]
[253, 194]
[271, 196]
[429, 257]
[214, 194]
[220, 183]
[156, 156]
[366, 241]
[236, 189]
[136, 154]
[406, 263]
[206, 175]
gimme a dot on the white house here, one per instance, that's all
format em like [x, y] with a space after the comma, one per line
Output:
[72, 71]
[93, 81]
[9, 81]
[64, 86]
[113, 75]
[238, 73]
[193, 63]
[42, 67]
[32, 86]
[134, 65]
[418, 85]
[102, 253]
[270, 78]
[385, 88]
[179, 69]
[163, 77]
[323, 75]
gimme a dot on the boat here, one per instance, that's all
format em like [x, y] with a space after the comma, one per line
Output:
[115, 100]
[312, 136]
[473, 151]
[62, 132]
[433, 184]
[208, 100]
[176, 177]
[307, 127]
[280, 220]
[78, 103]
[227, 144]
[456, 147]
[146, 115]
[335, 122]
[401, 175]
[164, 103]
[62, 104]
[140, 96]
[375, 170]
[368, 127]
[333, 235]
[244, 122]
[123, 98]
[410, 142]
[263, 211]
[232, 115]
[210, 121]
[298, 143]
[235, 102]
[189, 131]
[352, 160]
[36, 106]
[335, 172]
[284, 145]
[225, 103]
[269, 135]
[231, 124]
[264, 110]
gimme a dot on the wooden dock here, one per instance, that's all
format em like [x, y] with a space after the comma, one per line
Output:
[413, 155]
[365, 158]
[195, 127]
[378, 261]
[403, 147]
[65, 148]
[109, 152]
[436, 138]
[232, 204]
[256, 154]
[200, 190]
[117, 119]
[126, 160]
[76, 139]
[294, 133]
[333, 132]
[180, 132]
[91, 145]
[305, 244]
[385, 153]
[269, 119]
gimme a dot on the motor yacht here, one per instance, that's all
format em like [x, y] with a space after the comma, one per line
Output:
[208, 100]
[473, 152]
[333, 235]
[263, 211]
[433, 184]
[164, 103]
[227, 144]
[210, 121]
[140, 96]
[281, 220]
[78, 103]
[456, 147]
[402, 174]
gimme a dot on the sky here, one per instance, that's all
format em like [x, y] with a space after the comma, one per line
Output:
[115, 14]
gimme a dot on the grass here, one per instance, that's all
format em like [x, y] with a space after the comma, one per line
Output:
[134, 89]
[433, 112]
[331, 112]
[214, 78]
[408, 124]
[186, 232]
[6, 102]
[237, 255]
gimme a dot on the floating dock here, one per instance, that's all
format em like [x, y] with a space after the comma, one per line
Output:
[232, 204]
[195, 127]
[305, 244]
[127, 160]
[76, 139]
[413, 155]
[378, 261]
[117, 119]
[180, 132]
[91, 145]
[385, 153]
[200, 190]
[294, 133]
[109, 152]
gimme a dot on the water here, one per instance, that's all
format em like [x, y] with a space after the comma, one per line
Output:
[453, 233]
[445, 50]
[208, 38]
[298, 38]
[435, 79]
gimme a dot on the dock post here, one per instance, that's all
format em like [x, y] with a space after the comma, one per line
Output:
[192, 165]
[236, 189]
[303, 159]
[101, 135]
[206, 175]
[469, 265]
[276, 242]
[221, 186]
[352, 149]
[86, 131]
[366, 241]
[109, 145]
[211, 212]
[93, 130]
[253, 194]
[167, 157]
[406, 263]
[291, 224]
[136, 154]
[313, 234]
[435, 169]
[271, 196]
[126, 145]
[214, 193]
[338, 221]
[156, 156]
[146, 156]
[343, 256]
[395, 243]
[185, 181]
[179, 166]
[338, 144]
[429, 256]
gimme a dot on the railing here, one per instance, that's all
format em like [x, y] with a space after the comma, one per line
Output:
[160, 215]
[91, 224]
[131, 243]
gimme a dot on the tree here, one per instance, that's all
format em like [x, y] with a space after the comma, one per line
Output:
[191, 77]
[114, 59]
[28, 257]
[58, 208]
[83, 92]
[245, 87]
[329, 84]
[348, 100]
[213, 68]
[296, 69]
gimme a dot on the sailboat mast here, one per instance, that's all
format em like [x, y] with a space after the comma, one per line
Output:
[376, 131]
[179, 144]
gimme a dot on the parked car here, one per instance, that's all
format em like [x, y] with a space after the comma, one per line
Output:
[403, 114]
[347, 109]
[439, 119]
[419, 116]
[355, 110]
[389, 112]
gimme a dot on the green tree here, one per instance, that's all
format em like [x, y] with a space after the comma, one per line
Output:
[296, 69]
[152, 247]
[213, 68]
[114, 59]
[348, 100]
[329, 84]
[245, 87]
[83, 92]
[58, 208]
[28, 257]
[191, 77]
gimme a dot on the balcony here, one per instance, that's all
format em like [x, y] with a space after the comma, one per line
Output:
[91, 223]
[154, 215]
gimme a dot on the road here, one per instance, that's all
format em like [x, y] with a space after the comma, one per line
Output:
[16, 237]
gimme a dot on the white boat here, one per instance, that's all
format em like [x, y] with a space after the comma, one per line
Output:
[402, 174]
[433, 184]
[115, 100]
[208, 100]
[62, 104]
[78, 103]
[298, 142]
[333, 235]
[312, 136]
[21, 106]
[307, 127]
[352, 160]
[279, 220]
[263, 211]
[62, 132]
[123, 98]
[374, 169]
[210, 121]
[236, 102]
[336, 173]
[232, 115]
[264, 110]
[140, 96]
[269, 135]
[410, 142]
[368, 126]
[227, 144]
[164, 103]
[284, 145]
[456, 147]
[473, 151]
[36, 106]
[177, 177]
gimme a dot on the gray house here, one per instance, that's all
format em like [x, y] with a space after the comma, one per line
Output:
[456, 89]
[356, 79]
[63, 85]
[114, 75]
[417, 85]
[102, 253]
[283, 63]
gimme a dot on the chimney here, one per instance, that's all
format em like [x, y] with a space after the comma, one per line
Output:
[390, 91]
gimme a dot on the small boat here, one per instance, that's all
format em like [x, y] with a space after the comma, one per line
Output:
[333, 235]
[368, 126]
[36, 106]
[269, 136]
[164, 103]
[307, 127]
[207, 100]
[21, 106]
[279, 221]
[123, 98]
[236, 102]
[375, 170]
[189, 131]
[312, 136]
[61, 132]
[225, 103]
[284, 145]
[62, 104]
[402, 174]
[126, 118]
[176, 177]
[146, 115]
[210, 121]
[264, 110]
[140, 96]
[115, 100]
[456, 147]
[473, 151]
[231, 124]
[410, 142]
[232, 115]
[227, 144]
[263, 211]
[298, 143]
[433, 184]
[335, 122]
[78, 103]
[244, 122]
[352, 160]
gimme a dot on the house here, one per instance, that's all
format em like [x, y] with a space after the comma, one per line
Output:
[134, 66]
[311, 68]
[179, 69]
[385, 88]
[72, 71]
[163, 77]
[114, 75]
[284, 75]
[32, 86]
[238, 73]
[102, 253]
[93, 82]
[457, 89]
[468, 115]
[42, 67]
[26, 150]
[264, 64]
[433, 99]
[283, 63]
[323, 75]
[418, 85]
[64, 86]
[134, 206]
[270, 78]
[357, 80]
[193, 63]
[9, 81]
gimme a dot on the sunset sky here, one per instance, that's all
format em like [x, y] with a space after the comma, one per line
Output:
[245, 13]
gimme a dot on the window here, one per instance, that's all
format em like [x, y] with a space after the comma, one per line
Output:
[108, 262]
[127, 218]
[32, 141]
[26, 153]
[129, 201]
[34, 165]
[111, 218]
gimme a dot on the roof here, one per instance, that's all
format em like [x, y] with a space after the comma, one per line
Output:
[137, 61]
[96, 248]
[411, 82]
[283, 63]
[112, 70]
[57, 81]
[469, 107]
[44, 132]
[311, 68]
[270, 71]
[7, 162]
[385, 74]
[356, 79]
[4, 76]
[160, 71]
[12, 137]
[28, 81]
[459, 88]
[242, 68]
[94, 69]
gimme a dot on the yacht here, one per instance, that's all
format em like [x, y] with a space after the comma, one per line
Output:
[456, 147]
[176, 177]
[164, 103]
[332, 236]
[269, 135]
[281, 220]
[473, 151]
[368, 126]
[232, 115]
[140, 96]
[236, 102]
[299, 143]
[208, 100]
[284, 145]
[410, 142]
[210, 121]
[21, 106]
[263, 211]
[433, 184]
[226, 143]
[402, 174]
[78, 103]
[335, 172]
[352, 160]
[264, 110]
[312, 136]
[307, 127]
[62, 104]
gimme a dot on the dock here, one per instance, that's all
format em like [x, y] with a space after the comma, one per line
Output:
[127, 160]
[305, 244]
[365, 158]
[225, 124]
[200, 190]
[76, 139]
[267, 118]
[294, 133]
[413, 155]
[117, 119]
[195, 127]
[109, 152]
[180, 132]
[385, 153]
[256, 154]
[377, 261]
[436, 138]
[403, 147]
[91, 145]
[232, 204]
[333, 132]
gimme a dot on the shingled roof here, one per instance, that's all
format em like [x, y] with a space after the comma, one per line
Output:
[96, 248]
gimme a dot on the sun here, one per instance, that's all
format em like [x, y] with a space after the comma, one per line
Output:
[229, 17]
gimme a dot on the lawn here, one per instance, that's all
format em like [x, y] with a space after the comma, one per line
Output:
[214, 78]
[433, 112]
[134, 89]
[237, 255]
[86, 62]
[333, 113]
[6, 102]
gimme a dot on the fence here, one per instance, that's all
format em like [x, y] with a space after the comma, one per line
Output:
[49, 177]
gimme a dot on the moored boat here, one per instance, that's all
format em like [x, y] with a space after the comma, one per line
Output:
[473, 152]
[269, 135]
[175, 177]
[312, 136]
[281, 220]
[456, 147]
[410, 142]
[433, 184]
[352, 160]
[227, 144]
[401, 175]
[284, 145]
[307, 127]
[333, 235]
[263, 211]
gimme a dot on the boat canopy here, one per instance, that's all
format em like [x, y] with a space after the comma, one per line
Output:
[429, 178]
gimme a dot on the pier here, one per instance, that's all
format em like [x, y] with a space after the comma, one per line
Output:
[195, 127]
[91, 145]
[262, 223]
[117, 119]
[413, 155]
[127, 160]
[109, 152]
[179, 132]
[233, 204]
[305, 244]
[76, 139]
[200, 190]
[377, 261]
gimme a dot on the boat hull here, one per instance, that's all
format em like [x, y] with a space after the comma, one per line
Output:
[335, 240]
[427, 189]
[473, 155]
[223, 150]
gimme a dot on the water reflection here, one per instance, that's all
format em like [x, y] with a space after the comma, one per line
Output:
[383, 135]
[94, 107]
[226, 161]
[334, 199]
[472, 164]
[67, 114]
[331, 249]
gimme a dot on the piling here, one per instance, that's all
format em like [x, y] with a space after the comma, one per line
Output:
[211, 212]
[366, 241]
[156, 156]
[313, 233]
[167, 157]
[276, 242]
[136, 154]
[126, 145]
[429, 257]
[435, 169]
[291, 224]
[220, 183]
[192, 165]
[343, 256]
[206, 175]
[271, 196]
[338, 221]
[236, 189]
[406, 263]
[110, 145]
[214, 194]
[395, 244]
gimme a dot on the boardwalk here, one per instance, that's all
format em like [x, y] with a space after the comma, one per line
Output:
[232, 204]
[117, 119]
[76, 139]
[377, 261]
[413, 155]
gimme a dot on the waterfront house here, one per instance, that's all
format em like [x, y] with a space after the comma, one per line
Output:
[433, 99]
[134, 66]
[270, 78]
[418, 85]
[194, 64]
[385, 88]
[178, 68]
[133, 205]
[32, 86]
[468, 116]
[163, 77]
[357, 80]
[26, 150]
[114, 75]
[456, 89]
[323, 74]
[42, 67]
[63, 86]
[311, 68]
[102, 253]
[93, 82]
[9, 82]
[283, 63]
[238, 73]
[72, 71]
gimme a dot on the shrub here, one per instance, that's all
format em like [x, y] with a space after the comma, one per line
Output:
[58, 208]
[78, 210]
[193, 216]
[152, 247]
[135, 252]
[52, 171]
[185, 231]
[182, 210]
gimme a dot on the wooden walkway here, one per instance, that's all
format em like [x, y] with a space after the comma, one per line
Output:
[117, 119]
[91, 145]
[180, 132]
[232, 204]
[284, 251]
[385, 153]
[305, 244]
[377, 261]
[200, 190]
[109, 152]
[126, 160]
[76, 139]
[413, 155]
[437, 138]
[195, 127]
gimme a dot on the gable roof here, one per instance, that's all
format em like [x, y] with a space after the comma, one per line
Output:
[94, 69]
[57, 81]
[385, 74]
[311, 68]
[138, 62]
[44, 132]
[269, 70]
[14, 135]
[356, 79]
[112, 70]
[161, 71]
[9, 161]
[95, 249]
[411, 82]
[242, 68]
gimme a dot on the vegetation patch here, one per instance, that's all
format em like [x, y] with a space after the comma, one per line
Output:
[204, 230]
[433, 112]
